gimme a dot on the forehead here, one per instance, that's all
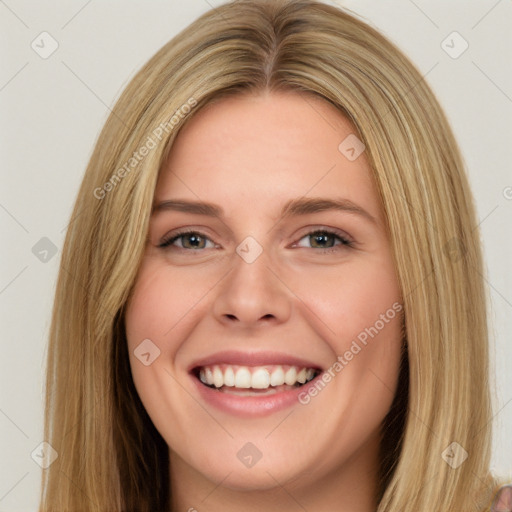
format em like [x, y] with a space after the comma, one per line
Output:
[256, 149]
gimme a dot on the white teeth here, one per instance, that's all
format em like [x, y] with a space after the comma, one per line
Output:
[290, 377]
[243, 378]
[261, 377]
[277, 377]
[229, 377]
[218, 377]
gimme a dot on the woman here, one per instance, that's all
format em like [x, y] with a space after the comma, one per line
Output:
[270, 294]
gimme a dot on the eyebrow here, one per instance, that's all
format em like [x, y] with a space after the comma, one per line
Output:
[295, 207]
[197, 207]
[304, 206]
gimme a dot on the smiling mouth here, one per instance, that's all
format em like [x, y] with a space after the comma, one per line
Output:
[254, 380]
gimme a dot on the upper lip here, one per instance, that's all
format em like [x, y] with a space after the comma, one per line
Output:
[236, 357]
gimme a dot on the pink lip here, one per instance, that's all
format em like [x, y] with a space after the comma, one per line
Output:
[251, 406]
[236, 357]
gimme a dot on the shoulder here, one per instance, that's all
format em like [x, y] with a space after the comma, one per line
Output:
[503, 499]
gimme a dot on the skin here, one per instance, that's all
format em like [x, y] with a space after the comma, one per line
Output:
[250, 154]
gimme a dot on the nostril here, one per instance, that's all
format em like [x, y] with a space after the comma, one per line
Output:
[268, 316]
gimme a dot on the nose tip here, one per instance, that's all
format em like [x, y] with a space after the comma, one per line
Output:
[252, 295]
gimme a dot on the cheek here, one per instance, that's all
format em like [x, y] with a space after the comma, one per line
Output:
[349, 300]
[159, 317]
[361, 382]
[164, 300]
[361, 319]
[158, 309]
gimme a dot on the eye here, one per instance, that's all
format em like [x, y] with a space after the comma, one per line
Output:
[324, 239]
[187, 240]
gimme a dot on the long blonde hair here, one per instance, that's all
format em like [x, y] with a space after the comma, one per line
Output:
[110, 456]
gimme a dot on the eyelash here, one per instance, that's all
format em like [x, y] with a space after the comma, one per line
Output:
[166, 243]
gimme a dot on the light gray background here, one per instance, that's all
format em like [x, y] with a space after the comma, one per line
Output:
[51, 113]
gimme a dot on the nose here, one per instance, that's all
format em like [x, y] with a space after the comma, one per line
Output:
[252, 294]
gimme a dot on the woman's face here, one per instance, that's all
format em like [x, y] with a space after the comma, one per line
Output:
[267, 264]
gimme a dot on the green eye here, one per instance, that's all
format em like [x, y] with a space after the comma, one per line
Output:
[322, 240]
[189, 240]
[325, 239]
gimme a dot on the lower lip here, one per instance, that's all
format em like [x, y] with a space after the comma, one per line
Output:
[251, 406]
